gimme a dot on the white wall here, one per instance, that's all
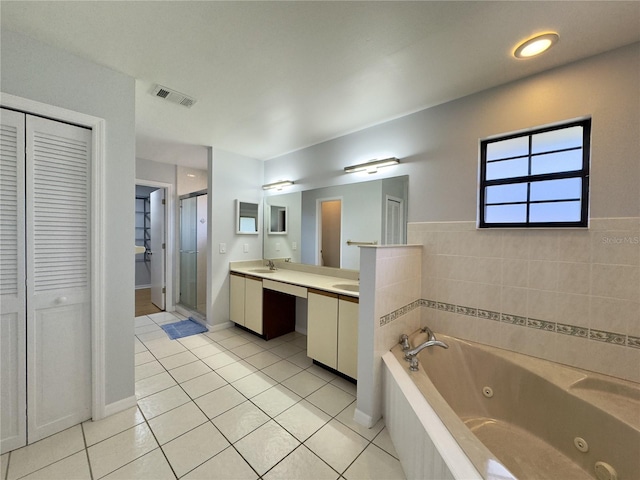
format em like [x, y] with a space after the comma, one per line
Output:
[232, 177]
[35, 71]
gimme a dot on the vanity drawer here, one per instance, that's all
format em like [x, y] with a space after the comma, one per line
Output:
[285, 288]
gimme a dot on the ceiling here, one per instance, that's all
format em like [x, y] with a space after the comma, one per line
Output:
[274, 77]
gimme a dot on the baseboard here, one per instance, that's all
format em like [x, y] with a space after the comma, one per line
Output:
[363, 419]
[301, 330]
[120, 405]
[220, 326]
[142, 287]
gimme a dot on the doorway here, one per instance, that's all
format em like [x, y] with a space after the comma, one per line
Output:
[394, 221]
[151, 265]
[330, 233]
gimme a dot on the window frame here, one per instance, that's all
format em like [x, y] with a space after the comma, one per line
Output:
[583, 174]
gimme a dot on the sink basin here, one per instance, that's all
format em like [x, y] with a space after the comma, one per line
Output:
[262, 270]
[349, 287]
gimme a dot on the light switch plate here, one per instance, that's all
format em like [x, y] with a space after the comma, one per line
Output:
[294, 245]
[277, 246]
[245, 247]
[223, 248]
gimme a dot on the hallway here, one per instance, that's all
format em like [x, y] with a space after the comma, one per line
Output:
[219, 405]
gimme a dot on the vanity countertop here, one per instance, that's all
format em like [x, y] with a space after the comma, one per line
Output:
[328, 283]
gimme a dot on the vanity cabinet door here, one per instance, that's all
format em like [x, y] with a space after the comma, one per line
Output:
[322, 327]
[236, 300]
[253, 304]
[348, 310]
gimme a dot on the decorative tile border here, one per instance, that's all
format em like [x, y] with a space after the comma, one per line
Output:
[573, 330]
[390, 317]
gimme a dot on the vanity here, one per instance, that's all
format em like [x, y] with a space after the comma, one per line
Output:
[264, 301]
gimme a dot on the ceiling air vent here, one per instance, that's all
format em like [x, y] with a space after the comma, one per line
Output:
[173, 96]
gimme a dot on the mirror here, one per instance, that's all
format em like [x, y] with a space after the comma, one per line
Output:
[277, 220]
[247, 218]
[373, 211]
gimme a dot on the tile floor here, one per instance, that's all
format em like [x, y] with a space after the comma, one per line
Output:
[220, 405]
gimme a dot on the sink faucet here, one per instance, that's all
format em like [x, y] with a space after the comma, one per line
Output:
[271, 265]
[412, 355]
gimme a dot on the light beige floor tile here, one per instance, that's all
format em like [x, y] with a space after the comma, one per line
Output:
[144, 329]
[331, 399]
[117, 451]
[301, 463]
[145, 337]
[177, 360]
[194, 448]
[253, 384]
[189, 371]
[166, 350]
[207, 350]
[165, 317]
[148, 369]
[302, 420]
[301, 360]
[266, 446]
[152, 466]
[219, 401]
[263, 359]
[221, 334]
[175, 422]
[236, 371]
[285, 350]
[138, 346]
[233, 342]
[221, 360]
[227, 465]
[195, 341]
[4, 463]
[304, 383]
[281, 370]
[143, 320]
[324, 374]
[346, 418]
[383, 440]
[155, 384]
[196, 387]
[95, 432]
[275, 400]
[301, 342]
[266, 344]
[375, 464]
[74, 467]
[33, 457]
[240, 421]
[246, 350]
[144, 357]
[345, 385]
[337, 445]
[162, 402]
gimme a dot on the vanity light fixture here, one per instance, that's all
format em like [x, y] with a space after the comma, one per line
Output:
[372, 166]
[277, 185]
[536, 45]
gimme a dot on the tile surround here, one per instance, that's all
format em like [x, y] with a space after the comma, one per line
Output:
[578, 284]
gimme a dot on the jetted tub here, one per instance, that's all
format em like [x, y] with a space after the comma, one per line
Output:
[494, 414]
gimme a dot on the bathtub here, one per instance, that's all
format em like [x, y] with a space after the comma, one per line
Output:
[474, 411]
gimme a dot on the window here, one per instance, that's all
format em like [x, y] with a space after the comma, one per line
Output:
[536, 179]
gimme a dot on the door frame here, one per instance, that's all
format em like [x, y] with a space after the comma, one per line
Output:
[98, 229]
[386, 216]
[169, 239]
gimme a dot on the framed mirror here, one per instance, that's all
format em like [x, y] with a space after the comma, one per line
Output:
[246, 218]
[277, 220]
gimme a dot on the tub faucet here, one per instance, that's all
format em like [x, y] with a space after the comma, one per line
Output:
[429, 333]
[412, 355]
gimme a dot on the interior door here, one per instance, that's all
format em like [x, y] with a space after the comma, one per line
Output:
[157, 242]
[394, 221]
[13, 356]
[58, 158]
[330, 233]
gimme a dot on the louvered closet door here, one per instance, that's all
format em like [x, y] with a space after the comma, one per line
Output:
[58, 273]
[13, 372]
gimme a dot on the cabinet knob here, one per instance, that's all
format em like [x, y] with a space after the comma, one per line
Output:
[61, 300]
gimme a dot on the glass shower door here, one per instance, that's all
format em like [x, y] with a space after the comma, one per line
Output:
[188, 252]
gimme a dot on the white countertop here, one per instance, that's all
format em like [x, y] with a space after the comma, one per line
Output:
[294, 277]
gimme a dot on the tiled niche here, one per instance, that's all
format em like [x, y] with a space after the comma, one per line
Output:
[569, 296]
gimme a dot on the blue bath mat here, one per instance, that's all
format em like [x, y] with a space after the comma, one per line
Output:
[183, 328]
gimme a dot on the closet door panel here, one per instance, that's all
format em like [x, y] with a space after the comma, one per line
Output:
[58, 272]
[13, 370]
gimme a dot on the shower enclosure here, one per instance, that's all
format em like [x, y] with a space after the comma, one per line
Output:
[193, 251]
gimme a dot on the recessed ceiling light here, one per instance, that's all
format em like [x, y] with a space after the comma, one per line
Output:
[536, 45]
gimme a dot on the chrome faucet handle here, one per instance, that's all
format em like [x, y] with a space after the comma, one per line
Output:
[413, 363]
[404, 341]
